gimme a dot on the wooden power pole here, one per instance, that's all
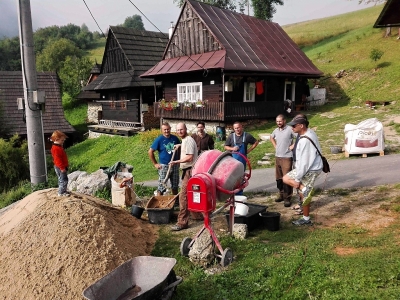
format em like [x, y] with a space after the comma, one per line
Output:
[33, 97]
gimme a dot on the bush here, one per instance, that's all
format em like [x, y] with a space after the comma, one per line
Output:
[14, 164]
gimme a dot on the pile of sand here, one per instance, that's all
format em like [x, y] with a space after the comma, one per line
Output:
[54, 247]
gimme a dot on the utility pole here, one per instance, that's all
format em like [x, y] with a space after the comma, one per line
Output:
[33, 112]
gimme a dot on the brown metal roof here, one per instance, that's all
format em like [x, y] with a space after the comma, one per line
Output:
[11, 88]
[209, 60]
[251, 44]
[390, 15]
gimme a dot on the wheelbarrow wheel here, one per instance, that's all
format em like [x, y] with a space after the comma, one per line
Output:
[227, 257]
[185, 246]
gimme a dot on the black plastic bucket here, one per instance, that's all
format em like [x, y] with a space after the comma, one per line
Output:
[137, 211]
[271, 220]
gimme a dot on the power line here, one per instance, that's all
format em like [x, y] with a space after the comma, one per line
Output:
[94, 18]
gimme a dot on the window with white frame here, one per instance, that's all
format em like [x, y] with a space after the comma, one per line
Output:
[249, 91]
[189, 92]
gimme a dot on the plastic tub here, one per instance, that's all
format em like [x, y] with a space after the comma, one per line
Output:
[252, 219]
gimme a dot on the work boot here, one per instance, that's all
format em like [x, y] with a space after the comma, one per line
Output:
[280, 199]
[286, 199]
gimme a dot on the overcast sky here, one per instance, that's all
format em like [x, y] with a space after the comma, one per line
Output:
[160, 12]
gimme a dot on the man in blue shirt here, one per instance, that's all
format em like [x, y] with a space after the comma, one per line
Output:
[164, 144]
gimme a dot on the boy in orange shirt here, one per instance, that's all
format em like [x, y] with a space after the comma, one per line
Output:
[60, 161]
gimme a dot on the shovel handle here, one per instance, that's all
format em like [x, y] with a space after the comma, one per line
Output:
[169, 167]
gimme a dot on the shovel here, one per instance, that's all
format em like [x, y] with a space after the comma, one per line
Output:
[169, 169]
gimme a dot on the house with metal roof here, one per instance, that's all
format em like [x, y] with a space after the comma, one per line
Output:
[246, 68]
[11, 88]
[124, 95]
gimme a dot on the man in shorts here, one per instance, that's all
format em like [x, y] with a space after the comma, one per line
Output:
[308, 166]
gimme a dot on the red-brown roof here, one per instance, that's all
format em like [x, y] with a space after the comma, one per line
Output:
[250, 44]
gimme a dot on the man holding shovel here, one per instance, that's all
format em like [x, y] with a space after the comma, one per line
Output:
[164, 144]
[186, 162]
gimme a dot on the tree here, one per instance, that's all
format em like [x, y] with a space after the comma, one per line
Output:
[375, 54]
[265, 9]
[134, 22]
[10, 54]
[74, 73]
[53, 56]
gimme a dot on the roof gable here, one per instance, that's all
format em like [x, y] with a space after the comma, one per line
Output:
[127, 55]
[250, 44]
[11, 88]
[389, 15]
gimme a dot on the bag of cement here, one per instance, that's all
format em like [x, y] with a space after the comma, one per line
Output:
[365, 137]
[122, 189]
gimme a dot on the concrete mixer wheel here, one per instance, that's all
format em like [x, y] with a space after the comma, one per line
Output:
[185, 246]
[227, 257]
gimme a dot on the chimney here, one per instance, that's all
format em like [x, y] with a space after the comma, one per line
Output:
[171, 30]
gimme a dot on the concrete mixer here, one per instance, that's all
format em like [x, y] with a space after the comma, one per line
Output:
[216, 176]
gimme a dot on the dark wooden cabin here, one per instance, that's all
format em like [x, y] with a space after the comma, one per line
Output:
[124, 95]
[11, 88]
[245, 67]
[389, 16]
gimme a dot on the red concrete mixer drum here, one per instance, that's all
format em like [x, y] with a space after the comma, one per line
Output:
[227, 171]
[201, 193]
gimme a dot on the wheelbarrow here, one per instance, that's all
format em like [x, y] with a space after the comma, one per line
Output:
[140, 278]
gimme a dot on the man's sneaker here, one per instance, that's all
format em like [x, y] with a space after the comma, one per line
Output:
[286, 203]
[301, 222]
[279, 199]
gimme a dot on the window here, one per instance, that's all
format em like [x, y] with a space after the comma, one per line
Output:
[190, 92]
[249, 91]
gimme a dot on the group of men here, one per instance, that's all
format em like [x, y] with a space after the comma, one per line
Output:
[297, 161]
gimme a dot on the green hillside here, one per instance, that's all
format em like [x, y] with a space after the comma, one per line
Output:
[344, 43]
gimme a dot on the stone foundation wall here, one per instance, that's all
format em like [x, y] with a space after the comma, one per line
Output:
[92, 112]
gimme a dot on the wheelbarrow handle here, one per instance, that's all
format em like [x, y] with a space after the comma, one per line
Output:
[174, 284]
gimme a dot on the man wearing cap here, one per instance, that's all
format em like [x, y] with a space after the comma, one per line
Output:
[282, 140]
[308, 166]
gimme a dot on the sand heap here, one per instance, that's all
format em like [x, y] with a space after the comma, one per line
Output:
[54, 247]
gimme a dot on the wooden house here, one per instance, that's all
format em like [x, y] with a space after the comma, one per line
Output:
[243, 66]
[389, 16]
[125, 97]
[11, 88]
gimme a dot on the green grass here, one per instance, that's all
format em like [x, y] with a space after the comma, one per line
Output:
[296, 263]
